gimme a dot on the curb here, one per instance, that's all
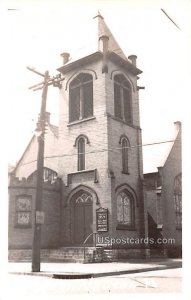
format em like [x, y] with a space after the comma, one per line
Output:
[94, 275]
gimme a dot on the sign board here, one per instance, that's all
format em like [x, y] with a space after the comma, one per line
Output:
[40, 217]
[102, 219]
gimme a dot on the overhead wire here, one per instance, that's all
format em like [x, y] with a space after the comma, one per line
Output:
[101, 150]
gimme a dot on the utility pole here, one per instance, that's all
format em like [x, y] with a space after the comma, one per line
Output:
[39, 214]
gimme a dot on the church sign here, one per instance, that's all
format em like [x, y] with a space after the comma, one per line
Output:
[102, 219]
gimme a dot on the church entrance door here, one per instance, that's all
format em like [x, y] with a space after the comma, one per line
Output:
[82, 218]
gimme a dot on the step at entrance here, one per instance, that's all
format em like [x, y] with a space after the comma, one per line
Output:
[64, 254]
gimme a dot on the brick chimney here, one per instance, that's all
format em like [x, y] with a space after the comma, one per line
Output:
[133, 59]
[65, 56]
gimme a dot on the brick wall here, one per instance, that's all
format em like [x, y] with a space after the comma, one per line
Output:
[171, 169]
[164, 212]
[21, 238]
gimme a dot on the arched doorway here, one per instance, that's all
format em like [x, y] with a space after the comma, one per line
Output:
[82, 217]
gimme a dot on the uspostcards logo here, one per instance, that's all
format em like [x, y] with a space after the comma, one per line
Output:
[107, 240]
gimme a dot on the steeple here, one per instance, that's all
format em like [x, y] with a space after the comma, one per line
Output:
[103, 30]
[99, 44]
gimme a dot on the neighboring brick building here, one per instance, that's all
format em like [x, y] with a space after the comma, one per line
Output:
[163, 199]
[93, 154]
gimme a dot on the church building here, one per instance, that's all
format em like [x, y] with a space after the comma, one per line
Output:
[93, 191]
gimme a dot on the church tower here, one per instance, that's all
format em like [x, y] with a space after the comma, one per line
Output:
[99, 142]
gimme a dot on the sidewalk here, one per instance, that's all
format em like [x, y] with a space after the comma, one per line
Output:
[78, 270]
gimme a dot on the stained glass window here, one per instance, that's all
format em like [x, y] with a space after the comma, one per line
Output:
[125, 209]
[84, 198]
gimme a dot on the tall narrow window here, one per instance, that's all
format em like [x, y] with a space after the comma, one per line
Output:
[122, 98]
[125, 210]
[81, 154]
[178, 200]
[81, 97]
[125, 149]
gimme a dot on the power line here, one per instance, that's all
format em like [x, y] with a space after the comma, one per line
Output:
[170, 18]
[103, 150]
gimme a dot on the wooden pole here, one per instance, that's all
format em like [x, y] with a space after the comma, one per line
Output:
[36, 246]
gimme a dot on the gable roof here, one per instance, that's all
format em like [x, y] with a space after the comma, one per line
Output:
[54, 130]
[25, 151]
[155, 155]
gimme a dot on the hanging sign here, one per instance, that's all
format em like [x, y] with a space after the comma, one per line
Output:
[40, 217]
[102, 219]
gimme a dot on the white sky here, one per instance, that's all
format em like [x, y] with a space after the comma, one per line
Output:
[39, 31]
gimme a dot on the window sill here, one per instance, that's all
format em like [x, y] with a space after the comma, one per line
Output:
[179, 227]
[125, 172]
[80, 121]
[23, 226]
[122, 121]
[125, 227]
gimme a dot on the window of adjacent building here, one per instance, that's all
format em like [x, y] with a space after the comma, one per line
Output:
[178, 200]
[81, 97]
[23, 211]
[125, 211]
[81, 154]
[122, 98]
[124, 153]
[159, 208]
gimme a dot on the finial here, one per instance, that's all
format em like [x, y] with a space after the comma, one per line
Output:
[99, 15]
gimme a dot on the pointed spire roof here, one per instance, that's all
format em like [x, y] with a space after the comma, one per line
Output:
[103, 30]
[93, 48]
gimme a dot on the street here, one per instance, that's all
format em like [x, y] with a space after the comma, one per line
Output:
[38, 287]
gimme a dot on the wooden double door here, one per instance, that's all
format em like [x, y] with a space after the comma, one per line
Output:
[82, 216]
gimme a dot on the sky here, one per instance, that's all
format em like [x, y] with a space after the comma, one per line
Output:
[37, 32]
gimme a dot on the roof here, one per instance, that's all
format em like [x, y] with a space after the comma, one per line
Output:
[10, 168]
[54, 130]
[103, 29]
[156, 154]
[92, 49]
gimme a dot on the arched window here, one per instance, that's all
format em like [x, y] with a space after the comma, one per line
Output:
[84, 198]
[81, 154]
[125, 210]
[81, 97]
[50, 175]
[178, 200]
[124, 154]
[122, 98]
